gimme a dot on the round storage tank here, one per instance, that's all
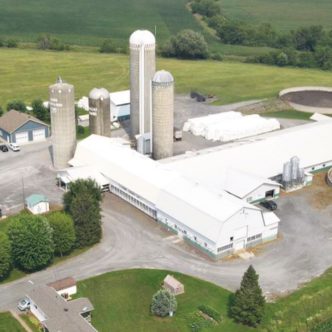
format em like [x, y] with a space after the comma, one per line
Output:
[99, 112]
[63, 122]
[142, 46]
[162, 114]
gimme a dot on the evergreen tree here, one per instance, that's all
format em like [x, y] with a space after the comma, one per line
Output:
[163, 302]
[5, 256]
[31, 241]
[248, 303]
[63, 232]
[82, 202]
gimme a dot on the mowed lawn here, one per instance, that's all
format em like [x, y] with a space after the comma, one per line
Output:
[88, 22]
[282, 14]
[122, 302]
[26, 74]
[9, 324]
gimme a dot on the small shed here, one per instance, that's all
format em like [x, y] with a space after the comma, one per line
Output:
[173, 286]
[65, 287]
[37, 204]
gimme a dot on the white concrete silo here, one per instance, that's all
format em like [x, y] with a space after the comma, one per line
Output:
[142, 46]
[162, 114]
[63, 123]
[99, 112]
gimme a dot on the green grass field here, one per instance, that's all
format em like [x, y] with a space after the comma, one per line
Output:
[9, 324]
[88, 22]
[125, 304]
[26, 74]
[282, 14]
[122, 300]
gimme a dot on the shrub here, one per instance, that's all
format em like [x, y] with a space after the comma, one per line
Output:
[108, 47]
[5, 256]
[163, 302]
[17, 105]
[63, 232]
[187, 44]
[211, 312]
[40, 111]
[80, 130]
[31, 241]
[11, 43]
[1, 111]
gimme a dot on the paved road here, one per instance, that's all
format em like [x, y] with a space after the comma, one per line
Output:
[132, 240]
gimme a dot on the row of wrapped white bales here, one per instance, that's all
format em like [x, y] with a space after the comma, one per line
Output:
[229, 126]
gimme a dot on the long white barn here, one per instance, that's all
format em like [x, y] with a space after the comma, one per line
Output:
[214, 221]
[245, 168]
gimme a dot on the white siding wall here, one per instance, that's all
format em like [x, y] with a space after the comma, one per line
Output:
[260, 192]
[40, 208]
[70, 291]
[183, 230]
[37, 312]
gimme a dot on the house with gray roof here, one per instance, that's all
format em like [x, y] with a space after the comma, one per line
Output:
[55, 314]
[22, 128]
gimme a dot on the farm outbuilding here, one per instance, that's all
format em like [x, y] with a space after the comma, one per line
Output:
[37, 204]
[120, 105]
[173, 286]
[21, 128]
[215, 222]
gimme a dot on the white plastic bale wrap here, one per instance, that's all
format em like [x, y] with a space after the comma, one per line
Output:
[229, 126]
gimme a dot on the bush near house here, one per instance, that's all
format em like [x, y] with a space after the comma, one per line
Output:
[63, 232]
[32, 242]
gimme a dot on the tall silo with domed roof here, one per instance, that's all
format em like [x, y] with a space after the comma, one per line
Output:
[99, 112]
[63, 122]
[142, 46]
[162, 114]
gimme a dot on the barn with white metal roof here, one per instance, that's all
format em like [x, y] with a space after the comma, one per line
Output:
[214, 221]
[243, 165]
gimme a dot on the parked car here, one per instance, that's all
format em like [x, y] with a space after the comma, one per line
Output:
[23, 304]
[3, 148]
[270, 205]
[14, 147]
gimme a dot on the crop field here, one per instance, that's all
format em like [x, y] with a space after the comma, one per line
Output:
[282, 14]
[88, 22]
[26, 75]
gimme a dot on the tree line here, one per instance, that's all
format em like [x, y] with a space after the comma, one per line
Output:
[32, 241]
[304, 47]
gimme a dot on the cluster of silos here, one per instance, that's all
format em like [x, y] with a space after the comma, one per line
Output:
[99, 112]
[151, 98]
[292, 176]
[63, 122]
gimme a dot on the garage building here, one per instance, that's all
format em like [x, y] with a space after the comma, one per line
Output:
[22, 128]
[215, 222]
